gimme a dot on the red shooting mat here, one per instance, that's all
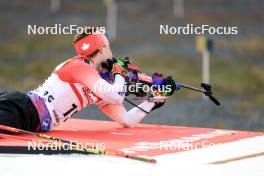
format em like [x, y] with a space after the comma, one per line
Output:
[145, 139]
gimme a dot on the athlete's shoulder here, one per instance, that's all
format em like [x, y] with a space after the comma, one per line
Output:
[71, 63]
[74, 67]
[77, 60]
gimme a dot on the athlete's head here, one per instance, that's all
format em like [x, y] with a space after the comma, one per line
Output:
[93, 45]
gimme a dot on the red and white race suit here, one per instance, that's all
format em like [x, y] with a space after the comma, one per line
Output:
[76, 84]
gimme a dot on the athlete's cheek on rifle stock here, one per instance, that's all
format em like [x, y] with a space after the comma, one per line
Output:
[106, 51]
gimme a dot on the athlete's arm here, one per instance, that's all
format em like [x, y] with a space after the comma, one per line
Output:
[112, 93]
[118, 113]
[78, 71]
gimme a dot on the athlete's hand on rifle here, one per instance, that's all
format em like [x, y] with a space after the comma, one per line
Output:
[167, 84]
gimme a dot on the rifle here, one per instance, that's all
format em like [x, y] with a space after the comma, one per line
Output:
[134, 76]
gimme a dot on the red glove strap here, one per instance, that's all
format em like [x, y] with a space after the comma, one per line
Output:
[118, 69]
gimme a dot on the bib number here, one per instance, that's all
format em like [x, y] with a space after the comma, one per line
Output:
[74, 107]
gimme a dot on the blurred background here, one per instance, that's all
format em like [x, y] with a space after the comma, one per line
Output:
[236, 63]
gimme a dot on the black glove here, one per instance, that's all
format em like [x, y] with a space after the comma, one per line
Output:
[157, 105]
[169, 81]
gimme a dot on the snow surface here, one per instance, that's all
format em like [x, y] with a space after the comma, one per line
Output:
[188, 163]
